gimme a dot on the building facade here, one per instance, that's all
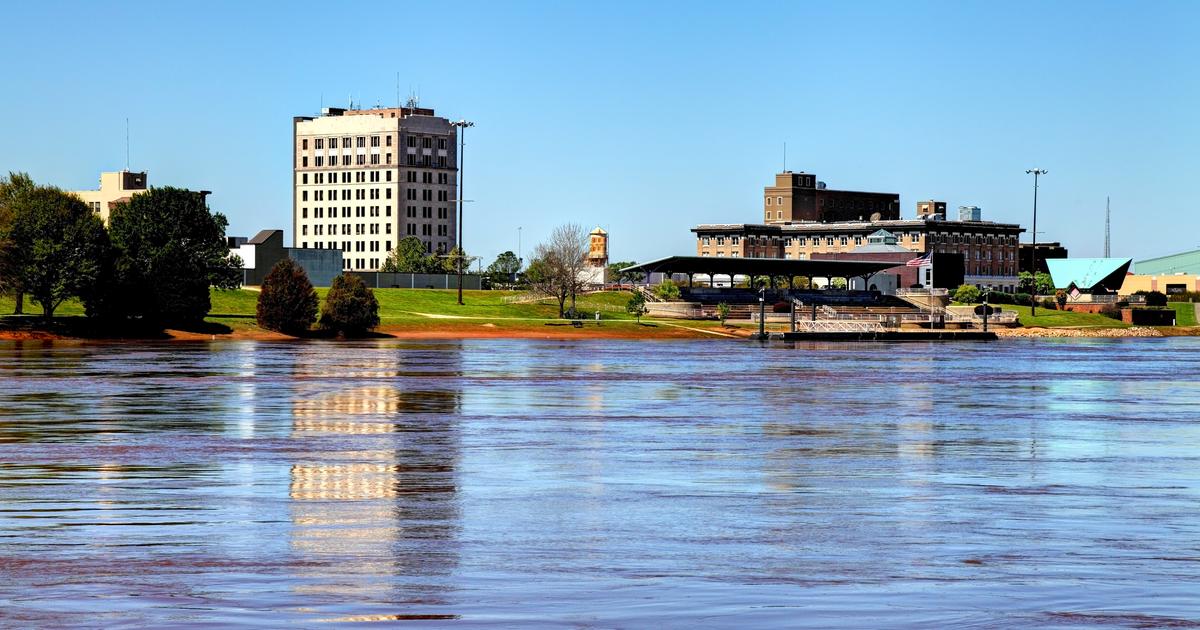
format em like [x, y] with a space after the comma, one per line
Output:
[364, 179]
[988, 249]
[1045, 251]
[115, 187]
[800, 197]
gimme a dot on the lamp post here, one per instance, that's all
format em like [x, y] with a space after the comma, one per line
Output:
[1033, 250]
[461, 125]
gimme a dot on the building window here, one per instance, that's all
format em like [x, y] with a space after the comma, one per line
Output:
[388, 142]
[802, 241]
[843, 240]
[304, 161]
[704, 240]
[779, 201]
[829, 240]
[441, 143]
[768, 201]
[304, 144]
[374, 141]
[858, 240]
[779, 214]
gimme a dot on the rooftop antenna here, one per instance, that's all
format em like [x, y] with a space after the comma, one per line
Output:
[322, 110]
[398, 104]
[1107, 226]
[785, 156]
[126, 143]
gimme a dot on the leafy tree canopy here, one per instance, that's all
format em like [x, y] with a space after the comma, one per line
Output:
[350, 307]
[288, 302]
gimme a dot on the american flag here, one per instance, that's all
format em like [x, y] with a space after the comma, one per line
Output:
[917, 262]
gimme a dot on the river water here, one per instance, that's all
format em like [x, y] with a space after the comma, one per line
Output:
[601, 484]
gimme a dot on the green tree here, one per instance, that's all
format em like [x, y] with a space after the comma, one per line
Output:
[966, 294]
[350, 307]
[449, 264]
[723, 312]
[288, 302]
[409, 257]
[667, 290]
[615, 272]
[10, 188]
[504, 268]
[60, 247]
[636, 305]
[1045, 284]
[170, 250]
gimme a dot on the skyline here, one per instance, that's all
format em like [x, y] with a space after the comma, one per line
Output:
[644, 120]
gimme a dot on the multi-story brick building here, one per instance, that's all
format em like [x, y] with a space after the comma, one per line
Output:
[364, 179]
[800, 197]
[989, 249]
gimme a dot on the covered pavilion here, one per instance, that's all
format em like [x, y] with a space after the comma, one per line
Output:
[773, 268]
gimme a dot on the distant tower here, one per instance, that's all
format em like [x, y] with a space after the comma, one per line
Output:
[1107, 224]
[598, 248]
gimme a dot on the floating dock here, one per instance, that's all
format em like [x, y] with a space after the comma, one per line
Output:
[886, 335]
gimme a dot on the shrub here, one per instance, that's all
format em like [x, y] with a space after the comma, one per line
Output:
[1111, 311]
[1156, 298]
[723, 312]
[1048, 304]
[350, 307]
[636, 305]
[1060, 296]
[967, 294]
[1184, 296]
[288, 303]
[668, 291]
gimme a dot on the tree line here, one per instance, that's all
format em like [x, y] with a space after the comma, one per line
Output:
[152, 265]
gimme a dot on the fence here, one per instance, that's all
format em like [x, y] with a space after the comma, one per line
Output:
[381, 280]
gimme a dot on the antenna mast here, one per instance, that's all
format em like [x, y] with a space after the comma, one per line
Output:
[784, 156]
[1107, 226]
[126, 143]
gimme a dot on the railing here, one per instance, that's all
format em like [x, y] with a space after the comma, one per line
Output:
[923, 292]
[825, 325]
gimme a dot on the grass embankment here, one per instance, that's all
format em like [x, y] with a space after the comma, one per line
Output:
[436, 313]
[1047, 318]
[1185, 313]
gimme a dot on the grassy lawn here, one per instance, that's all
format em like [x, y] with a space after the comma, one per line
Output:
[1185, 313]
[409, 309]
[1063, 319]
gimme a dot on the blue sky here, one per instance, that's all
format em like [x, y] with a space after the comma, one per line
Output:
[643, 117]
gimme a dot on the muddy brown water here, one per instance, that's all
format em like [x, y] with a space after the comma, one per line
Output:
[601, 484]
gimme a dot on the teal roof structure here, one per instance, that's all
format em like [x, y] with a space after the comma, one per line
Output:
[1089, 274]
[1187, 262]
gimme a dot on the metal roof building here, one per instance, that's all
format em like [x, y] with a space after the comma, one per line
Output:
[1104, 275]
[1186, 262]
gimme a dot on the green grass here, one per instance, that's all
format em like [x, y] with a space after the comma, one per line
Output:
[1185, 313]
[1063, 319]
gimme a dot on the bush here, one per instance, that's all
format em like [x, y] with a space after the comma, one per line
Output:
[1111, 311]
[636, 305]
[1185, 296]
[723, 312]
[966, 294]
[288, 303]
[1048, 304]
[1156, 298]
[668, 291]
[350, 307]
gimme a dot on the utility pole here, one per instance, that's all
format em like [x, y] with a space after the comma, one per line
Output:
[1036, 172]
[461, 125]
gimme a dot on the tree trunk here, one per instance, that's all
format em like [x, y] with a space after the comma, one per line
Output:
[20, 308]
[48, 311]
[562, 299]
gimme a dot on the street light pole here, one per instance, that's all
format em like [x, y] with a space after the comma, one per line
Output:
[461, 125]
[1033, 253]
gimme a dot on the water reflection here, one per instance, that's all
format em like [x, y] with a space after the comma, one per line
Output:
[614, 484]
[374, 486]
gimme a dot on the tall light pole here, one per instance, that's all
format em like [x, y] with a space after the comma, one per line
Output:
[1033, 253]
[461, 125]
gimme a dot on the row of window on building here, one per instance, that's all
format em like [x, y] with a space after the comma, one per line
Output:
[370, 246]
[363, 177]
[912, 237]
[350, 142]
[362, 159]
[359, 229]
[321, 212]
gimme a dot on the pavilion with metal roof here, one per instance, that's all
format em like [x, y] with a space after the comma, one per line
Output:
[773, 268]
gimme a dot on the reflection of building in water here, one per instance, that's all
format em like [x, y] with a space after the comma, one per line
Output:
[374, 488]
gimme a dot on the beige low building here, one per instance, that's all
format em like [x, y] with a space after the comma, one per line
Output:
[1164, 283]
[115, 187]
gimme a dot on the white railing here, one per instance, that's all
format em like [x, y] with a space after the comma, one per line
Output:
[923, 292]
[826, 325]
